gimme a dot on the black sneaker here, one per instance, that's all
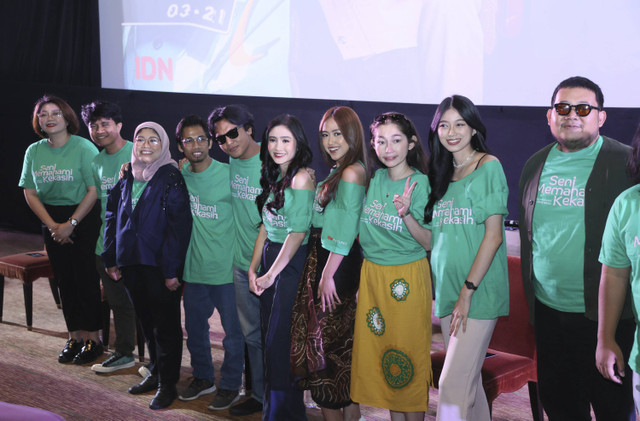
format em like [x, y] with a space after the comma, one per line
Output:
[90, 352]
[248, 407]
[70, 350]
[197, 388]
[224, 399]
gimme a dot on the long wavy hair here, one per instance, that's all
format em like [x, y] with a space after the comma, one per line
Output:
[351, 128]
[634, 157]
[416, 157]
[271, 171]
[441, 165]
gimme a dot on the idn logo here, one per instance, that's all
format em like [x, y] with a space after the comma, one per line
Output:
[148, 68]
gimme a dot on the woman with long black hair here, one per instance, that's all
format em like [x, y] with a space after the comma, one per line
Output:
[465, 211]
[285, 205]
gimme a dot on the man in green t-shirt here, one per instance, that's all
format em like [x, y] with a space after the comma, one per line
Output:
[566, 191]
[208, 273]
[620, 258]
[232, 128]
[104, 121]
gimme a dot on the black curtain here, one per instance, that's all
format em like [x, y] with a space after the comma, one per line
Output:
[50, 42]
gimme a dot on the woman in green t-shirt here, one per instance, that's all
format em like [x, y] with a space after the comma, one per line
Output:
[285, 205]
[391, 363]
[465, 211]
[59, 188]
[324, 311]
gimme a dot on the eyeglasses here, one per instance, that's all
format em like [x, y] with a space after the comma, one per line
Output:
[193, 140]
[44, 114]
[231, 134]
[151, 140]
[582, 110]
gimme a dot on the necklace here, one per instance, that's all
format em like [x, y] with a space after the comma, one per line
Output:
[465, 161]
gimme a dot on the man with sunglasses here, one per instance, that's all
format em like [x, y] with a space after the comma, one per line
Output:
[566, 191]
[232, 128]
[208, 272]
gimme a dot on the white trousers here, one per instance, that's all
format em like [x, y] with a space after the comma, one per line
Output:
[461, 396]
[636, 389]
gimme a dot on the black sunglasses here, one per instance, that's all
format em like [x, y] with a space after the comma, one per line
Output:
[231, 134]
[582, 110]
[382, 118]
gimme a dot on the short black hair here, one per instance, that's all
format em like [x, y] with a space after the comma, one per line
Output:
[101, 109]
[237, 114]
[188, 121]
[580, 82]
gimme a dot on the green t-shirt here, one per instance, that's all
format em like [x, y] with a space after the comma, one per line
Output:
[245, 188]
[457, 230]
[339, 220]
[210, 254]
[621, 249]
[384, 238]
[294, 216]
[106, 170]
[137, 188]
[558, 228]
[61, 175]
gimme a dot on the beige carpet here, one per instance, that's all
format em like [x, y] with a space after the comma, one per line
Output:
[32, 376]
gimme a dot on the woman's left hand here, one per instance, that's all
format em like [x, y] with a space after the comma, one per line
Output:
[460, 312]
[264, 282]
[62, 232]
[172, 284]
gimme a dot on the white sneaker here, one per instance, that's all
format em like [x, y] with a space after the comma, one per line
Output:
[144, 372]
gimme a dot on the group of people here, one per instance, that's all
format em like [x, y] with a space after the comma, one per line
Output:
[329, 285]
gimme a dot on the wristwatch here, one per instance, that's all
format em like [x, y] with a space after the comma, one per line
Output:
[73, 222]
[470, 285]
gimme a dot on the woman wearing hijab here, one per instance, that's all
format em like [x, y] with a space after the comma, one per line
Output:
[148, 227]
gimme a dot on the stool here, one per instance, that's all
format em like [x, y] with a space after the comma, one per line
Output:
[28, 267]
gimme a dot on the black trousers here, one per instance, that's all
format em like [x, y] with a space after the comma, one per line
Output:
[158, 310]
[282, 401]
[568, 380]
[75, 270]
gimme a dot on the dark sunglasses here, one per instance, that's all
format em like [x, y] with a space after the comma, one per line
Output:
[231, 134]
[582, 110]
[383, 118]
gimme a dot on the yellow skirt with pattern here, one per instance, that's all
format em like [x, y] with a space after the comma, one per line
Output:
[391, 365]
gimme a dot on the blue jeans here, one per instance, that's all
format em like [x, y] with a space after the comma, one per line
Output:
[249, 313]
[199, 302]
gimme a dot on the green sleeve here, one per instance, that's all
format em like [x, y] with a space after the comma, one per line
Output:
[613, 252]
[419, 198]
[341, 218]
[89, 152]
[298, 204]
[488, 193]
[26, 177]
